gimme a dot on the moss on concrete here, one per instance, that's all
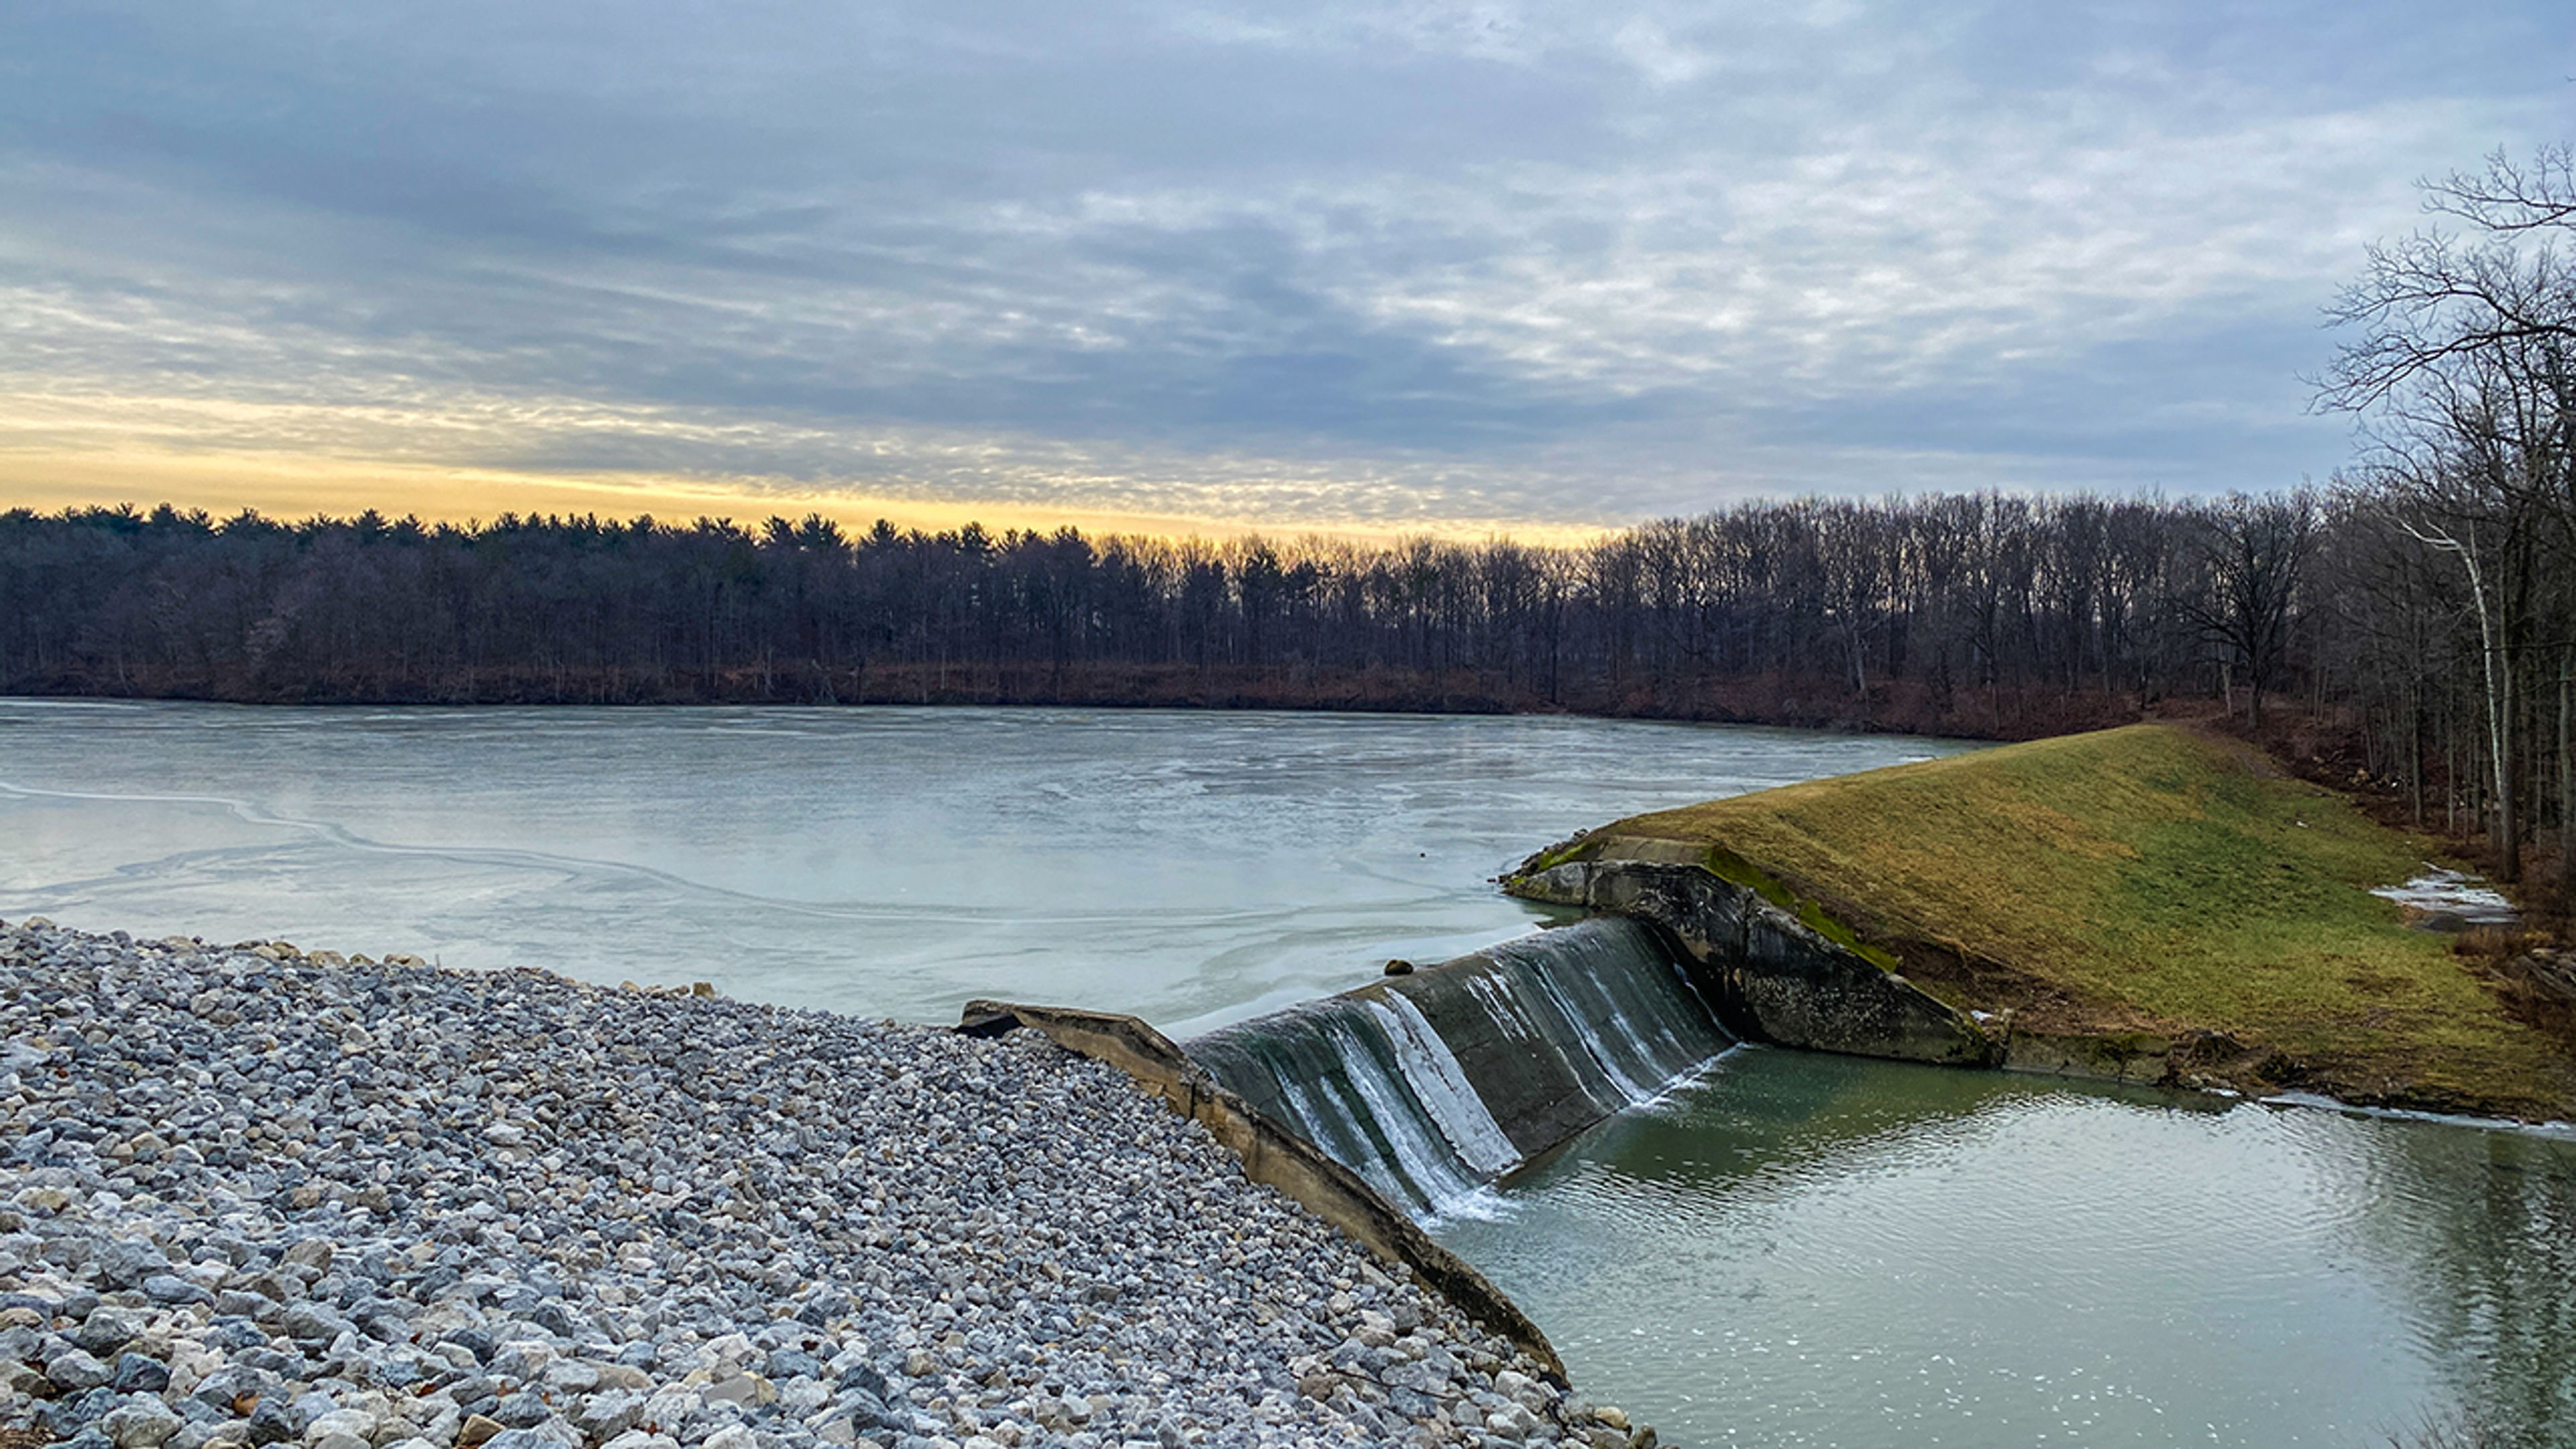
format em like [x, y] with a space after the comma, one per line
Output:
[1728, 866]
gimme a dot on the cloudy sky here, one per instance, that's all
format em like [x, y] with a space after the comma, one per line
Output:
[1450, 266]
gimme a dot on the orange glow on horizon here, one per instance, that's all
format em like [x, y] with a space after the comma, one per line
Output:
[288, 487]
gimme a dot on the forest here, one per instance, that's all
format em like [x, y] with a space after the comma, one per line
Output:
[1970, 614]
[2418, 611]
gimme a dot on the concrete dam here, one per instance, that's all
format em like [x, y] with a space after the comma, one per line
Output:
[1399, 1102]
[1433, 1084]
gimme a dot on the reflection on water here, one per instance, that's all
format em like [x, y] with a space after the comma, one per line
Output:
[1805, 1250]
[2482, 1225]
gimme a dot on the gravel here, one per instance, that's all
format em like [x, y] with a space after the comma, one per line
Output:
[254, 1196]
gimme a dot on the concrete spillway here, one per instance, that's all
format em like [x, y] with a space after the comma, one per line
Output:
[1431, 1085]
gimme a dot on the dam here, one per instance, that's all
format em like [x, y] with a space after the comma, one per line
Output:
[1434, 1084]
[1842, 1247]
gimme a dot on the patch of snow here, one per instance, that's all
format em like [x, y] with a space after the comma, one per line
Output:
[2450, 900]
[2318, 1101]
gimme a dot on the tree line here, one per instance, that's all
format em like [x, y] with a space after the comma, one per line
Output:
[1985, 614]
[2422, 604]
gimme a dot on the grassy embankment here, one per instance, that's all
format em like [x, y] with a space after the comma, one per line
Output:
[2143, 880]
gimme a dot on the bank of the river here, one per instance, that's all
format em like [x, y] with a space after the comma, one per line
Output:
[1788, 702]
[2147, 895]
[252, 1196]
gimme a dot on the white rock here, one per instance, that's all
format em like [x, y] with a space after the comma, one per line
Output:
[725, 1356]
[531, 1356]
[143, 1424]
[355, 1424]
[745, 1389]
[624, 1376]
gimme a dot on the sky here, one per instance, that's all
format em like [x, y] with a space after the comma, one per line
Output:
[1421, 267]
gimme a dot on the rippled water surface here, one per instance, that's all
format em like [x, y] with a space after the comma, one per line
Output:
[1796, 1250]
[1811, 1250]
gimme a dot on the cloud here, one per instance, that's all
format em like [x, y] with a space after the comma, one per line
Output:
[1413, 262]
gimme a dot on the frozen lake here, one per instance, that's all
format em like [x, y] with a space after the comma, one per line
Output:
[1188, 867]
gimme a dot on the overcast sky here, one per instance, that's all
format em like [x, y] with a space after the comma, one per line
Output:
[1385, 266]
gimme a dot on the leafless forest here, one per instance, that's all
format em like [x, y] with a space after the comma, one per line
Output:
[1965, 614]
[2417, 613]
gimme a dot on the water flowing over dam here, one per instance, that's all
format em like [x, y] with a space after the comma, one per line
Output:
[1432, 1085]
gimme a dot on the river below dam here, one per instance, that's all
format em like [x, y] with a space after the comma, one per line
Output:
[1784, 1249]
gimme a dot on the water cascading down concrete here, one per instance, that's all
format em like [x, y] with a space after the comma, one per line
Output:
[1434, 1084]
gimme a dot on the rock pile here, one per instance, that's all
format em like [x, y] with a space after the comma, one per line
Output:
[252, 1197]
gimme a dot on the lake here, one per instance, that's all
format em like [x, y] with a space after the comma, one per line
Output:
[1792, 1250]
[1188, 867]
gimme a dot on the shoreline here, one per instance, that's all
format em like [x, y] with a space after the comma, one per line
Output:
[249, 1201]
[1362, 693]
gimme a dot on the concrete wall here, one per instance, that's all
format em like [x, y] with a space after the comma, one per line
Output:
[1273, 1156]
[1769, 975]
[2138, 1058]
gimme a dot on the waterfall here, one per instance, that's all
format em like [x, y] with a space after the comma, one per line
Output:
[1329, 1072]
[1642, 1020]
[1440, 1083]
[1432, 1085]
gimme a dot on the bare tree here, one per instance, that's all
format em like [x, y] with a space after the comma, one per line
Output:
[2256, 551]
[2437, 297]
[2511, 196]
[2461, 363]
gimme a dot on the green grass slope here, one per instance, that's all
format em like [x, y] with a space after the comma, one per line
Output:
[2146, 880]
